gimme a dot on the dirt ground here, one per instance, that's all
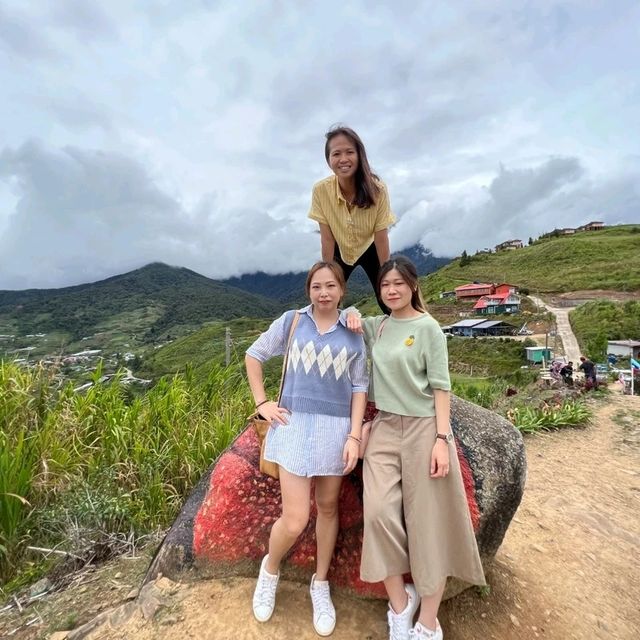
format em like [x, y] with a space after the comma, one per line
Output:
[569, 566]
[593, 294]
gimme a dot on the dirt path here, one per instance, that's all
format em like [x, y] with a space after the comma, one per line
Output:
[569, 342]
[569, 566]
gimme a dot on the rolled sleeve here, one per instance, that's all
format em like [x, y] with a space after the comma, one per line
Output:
[358, 372]
[272, 342]
[316, 213]
[437, 358]
[384, 217]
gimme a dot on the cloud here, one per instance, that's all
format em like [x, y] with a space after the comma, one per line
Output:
[21, 38]
[520, 203]
[84, 215]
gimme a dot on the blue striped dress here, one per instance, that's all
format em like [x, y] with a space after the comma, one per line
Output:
[311, 444]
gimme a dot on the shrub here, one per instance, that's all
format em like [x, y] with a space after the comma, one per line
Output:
[103, 460]
[531, 419]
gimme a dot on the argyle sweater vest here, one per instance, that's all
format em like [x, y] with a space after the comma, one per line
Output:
[318, 379]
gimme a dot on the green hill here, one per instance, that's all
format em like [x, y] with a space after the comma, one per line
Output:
[151, 302]
[607, 259]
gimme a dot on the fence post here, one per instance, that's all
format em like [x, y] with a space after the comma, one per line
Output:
[227, 346]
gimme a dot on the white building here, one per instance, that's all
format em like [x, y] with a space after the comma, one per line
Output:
[624, 348]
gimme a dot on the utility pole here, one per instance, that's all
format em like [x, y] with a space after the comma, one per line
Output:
[227, 346]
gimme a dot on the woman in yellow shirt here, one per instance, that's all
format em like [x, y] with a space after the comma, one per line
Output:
[352, 208]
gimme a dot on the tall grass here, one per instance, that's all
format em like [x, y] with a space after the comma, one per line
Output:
[105, 459]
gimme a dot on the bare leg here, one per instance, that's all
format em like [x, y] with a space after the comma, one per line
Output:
[429, 606]
[296, 492]
[327, 522]
[398, 598]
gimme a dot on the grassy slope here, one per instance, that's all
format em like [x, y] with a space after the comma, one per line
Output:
[605, 259]
[600, 320]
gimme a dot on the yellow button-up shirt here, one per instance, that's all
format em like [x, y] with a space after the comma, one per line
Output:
[353, 230]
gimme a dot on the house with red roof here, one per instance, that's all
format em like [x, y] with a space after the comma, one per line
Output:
[474, 290]
[498, 302]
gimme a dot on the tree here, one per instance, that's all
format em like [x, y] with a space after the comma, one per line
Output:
[464, 259]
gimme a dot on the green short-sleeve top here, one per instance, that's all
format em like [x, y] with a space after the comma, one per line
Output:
[409, 360]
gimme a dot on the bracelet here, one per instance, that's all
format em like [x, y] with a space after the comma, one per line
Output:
[358, 440]
[261, 403]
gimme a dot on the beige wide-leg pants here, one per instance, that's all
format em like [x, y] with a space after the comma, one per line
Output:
[413, 523]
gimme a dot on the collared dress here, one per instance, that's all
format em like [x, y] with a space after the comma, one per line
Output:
[323, 372]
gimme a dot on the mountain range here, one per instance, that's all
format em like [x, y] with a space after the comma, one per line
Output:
[158, 299]
[289, 287]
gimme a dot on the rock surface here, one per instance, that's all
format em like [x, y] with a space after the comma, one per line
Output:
[224, 526]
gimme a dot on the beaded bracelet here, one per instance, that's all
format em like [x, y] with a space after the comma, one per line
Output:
[261, 403]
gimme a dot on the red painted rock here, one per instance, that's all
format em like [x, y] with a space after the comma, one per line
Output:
[224, 526]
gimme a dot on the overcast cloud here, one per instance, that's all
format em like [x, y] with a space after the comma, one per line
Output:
[191, 133]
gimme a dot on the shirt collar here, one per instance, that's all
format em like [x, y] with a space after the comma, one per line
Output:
[339, 195]
[342, 319]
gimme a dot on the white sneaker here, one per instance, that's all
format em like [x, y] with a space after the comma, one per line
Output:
[400, 624]
[324, 614]
[420, 632]
[264, 597]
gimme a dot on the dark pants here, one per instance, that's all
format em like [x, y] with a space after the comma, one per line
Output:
[371, 265]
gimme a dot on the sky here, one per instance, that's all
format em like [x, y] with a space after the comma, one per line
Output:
[192, 132]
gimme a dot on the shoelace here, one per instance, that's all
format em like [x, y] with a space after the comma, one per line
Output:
[426, 633]
[266, 590]
[321, 597]
[395, 627]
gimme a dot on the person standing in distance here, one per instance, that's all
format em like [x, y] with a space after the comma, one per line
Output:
[352, 208]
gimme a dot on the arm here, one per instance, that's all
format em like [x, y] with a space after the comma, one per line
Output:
[384, 219]
[359, 384]
[269, 409]
[352, 445]
[270, 343]
[442, 401]
[439, 467]
[327, 243]
[381, 242]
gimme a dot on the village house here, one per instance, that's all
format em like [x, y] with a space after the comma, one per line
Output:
[477, 290]
[591, 226]
[498, 302]
[479, 328]
[509, 245]
[539, 355]
[474, 290]
[624, 348]
[567, 231]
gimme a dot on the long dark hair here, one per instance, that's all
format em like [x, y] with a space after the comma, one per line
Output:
[409, 274]
[367, 189]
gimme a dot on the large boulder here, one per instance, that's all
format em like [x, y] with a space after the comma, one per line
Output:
[224, 526]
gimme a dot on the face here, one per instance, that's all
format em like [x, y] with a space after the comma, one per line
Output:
[324, 290]
[343, 156]
[395, 292]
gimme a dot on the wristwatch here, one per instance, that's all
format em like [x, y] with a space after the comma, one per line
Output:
[447, 437]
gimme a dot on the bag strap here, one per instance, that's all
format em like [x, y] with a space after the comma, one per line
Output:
[296, 317]
[380, 328]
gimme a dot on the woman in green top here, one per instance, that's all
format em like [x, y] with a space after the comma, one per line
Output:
[416, 517]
